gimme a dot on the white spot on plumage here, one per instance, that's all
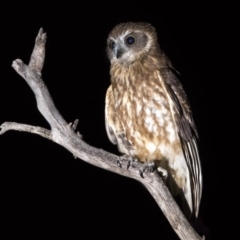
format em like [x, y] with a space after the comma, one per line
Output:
[164, 150]
[160, 121]
[139, 108]
[155, 128]
[159, 100]
[164, 110]
[158, 113]
[124, 99]
[138, 138]
[171, 130]
[145, 100]
[129, 109]
[151, 127]
[148, 120]
[154, 110]
[137, 134]
[151, 147]
[157, 97]
[147, 110]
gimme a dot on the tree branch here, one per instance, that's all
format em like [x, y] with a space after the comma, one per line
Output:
[64, 134]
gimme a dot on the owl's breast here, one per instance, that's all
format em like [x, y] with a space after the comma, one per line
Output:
[144, 110]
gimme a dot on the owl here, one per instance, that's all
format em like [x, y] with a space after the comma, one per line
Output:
[147, 113]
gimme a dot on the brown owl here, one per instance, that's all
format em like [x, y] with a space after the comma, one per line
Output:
[147, 113]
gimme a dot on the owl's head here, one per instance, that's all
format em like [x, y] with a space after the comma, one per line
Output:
[129, 42]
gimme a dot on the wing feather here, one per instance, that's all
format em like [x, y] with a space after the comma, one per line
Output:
[114, 128]
[187, 131]
[110, 115]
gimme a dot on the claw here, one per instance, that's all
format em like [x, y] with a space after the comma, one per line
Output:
[128, 164]
[125, 159]
[151, 168]
[150, 165]
[119, 163]
[141, 173]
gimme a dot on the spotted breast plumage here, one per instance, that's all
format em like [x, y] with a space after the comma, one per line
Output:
[147, 113]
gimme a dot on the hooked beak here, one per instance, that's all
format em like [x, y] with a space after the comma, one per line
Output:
[117, 51]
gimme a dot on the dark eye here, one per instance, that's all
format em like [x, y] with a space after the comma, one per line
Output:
[130, 40]
[111, 44]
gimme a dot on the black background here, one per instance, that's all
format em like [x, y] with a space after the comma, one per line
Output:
[45, 192]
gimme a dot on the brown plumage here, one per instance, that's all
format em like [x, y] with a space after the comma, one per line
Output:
[147, 113]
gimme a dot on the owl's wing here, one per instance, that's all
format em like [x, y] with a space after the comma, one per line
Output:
[187, 131]
[115, 130]
[110, 116]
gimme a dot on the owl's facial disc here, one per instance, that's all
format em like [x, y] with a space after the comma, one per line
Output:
[119, 49]
[128, 47]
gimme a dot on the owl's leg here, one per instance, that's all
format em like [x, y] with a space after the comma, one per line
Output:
[150, 165]
[126, 159]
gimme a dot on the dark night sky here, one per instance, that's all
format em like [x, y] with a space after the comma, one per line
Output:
[45, 192]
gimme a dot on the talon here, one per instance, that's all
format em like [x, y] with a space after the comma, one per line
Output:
[126, 160]
[119, 164]
[151, 169]
[150, 165]
[141, 173]
[128, 164]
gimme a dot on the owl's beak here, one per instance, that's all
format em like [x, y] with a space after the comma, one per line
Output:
[117, 51]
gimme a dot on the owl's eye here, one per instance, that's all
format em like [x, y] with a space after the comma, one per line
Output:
[111, 44]
[130, 40]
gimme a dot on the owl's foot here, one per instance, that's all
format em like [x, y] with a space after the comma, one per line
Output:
[122, 160]
[150, 165]
[163, 172]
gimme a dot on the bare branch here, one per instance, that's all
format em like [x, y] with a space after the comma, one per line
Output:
[25, 128]
[38, 55]
[64, 134]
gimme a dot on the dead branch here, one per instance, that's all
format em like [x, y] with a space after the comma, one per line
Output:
[64, 134]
